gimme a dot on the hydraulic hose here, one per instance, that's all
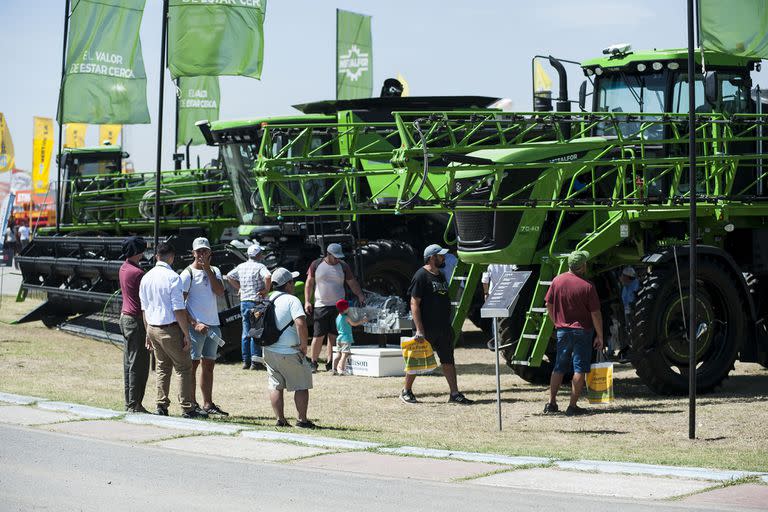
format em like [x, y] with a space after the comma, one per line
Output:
[407, 204]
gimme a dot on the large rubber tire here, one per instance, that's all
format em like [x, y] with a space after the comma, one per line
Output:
[659, 343]
[388, 266]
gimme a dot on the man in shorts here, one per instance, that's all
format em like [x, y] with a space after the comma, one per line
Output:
[431, 312]
[574, 308]
[202, 284]
[325, 279]
[287, 365]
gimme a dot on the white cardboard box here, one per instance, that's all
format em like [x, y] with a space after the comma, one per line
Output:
[373, 361]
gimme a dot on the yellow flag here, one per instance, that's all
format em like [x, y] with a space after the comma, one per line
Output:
[109, 133]
[6, 147]
[42, 148]
[406, 89]
[75, 135]
[541, 80]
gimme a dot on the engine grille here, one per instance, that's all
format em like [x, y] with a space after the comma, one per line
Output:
[474, 227]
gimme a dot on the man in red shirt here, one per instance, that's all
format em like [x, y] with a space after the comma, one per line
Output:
[574, 308]
[135, 353]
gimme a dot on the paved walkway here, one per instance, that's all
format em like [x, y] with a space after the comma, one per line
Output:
[721, 489]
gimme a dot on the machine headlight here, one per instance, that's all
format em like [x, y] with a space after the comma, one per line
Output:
[598, 71]
[641, 67]
[673, 65]
[657, 66]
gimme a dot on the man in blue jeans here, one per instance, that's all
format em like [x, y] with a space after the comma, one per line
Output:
[253, 280]
[574, 308]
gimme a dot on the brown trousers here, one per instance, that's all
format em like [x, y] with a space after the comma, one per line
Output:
[169, 355]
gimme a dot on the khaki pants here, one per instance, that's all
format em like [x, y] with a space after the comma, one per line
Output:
[168, 342]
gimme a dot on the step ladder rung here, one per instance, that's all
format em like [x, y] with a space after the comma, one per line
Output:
[538, 310]
[521, 363]
[454, 303]
[530, 336]
[545, 283]
[458, 278]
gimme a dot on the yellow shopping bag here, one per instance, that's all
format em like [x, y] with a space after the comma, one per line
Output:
[419, 356]
[600, 383]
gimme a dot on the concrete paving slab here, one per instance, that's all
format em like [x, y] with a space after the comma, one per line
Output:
[325, 442]
[241, 448]
[633, 468]
[622, 486]
[19, 399]
[183, 423]
[80, 410]
[765, 479]
[24, 415]
[470, 456]
[399, 467]
[117, 431]
[753, 496]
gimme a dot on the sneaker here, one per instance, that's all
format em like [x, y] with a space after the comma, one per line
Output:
[257, 366]
[195, 413]
[550, 408]
[161, 411]
[313, 364]
[328, 366]
[246, 365]
[305, 424]
[408, 397]
[575, 410]
[215, 409]
[458, 398]
[282, 423]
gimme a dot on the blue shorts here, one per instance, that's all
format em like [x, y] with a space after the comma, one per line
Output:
[203, 345]
[574, 350]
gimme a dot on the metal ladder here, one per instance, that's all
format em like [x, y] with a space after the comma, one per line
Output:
[461, 290]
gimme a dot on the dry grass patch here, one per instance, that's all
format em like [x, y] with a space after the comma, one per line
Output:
[639, 427]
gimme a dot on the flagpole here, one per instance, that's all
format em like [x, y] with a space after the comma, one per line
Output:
[692, 228]
[61, 114]
[160, 123]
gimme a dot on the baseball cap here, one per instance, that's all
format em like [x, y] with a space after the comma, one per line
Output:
[629, 271]
[577, 258]
[434, 249]
[254, 250]
[132, 246]
[335, 250]
[200, 243]
[342, 305]
[281, 276]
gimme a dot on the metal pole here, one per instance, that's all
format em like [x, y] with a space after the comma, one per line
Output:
[692, 228]
[160, 123]
[61, 113]
[498, 378]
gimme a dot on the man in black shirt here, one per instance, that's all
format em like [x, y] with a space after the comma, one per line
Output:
[431, 311]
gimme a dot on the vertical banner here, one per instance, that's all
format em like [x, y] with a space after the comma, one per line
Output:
[42, 148]
[738, 27]
[74, 135]
[6, 207]
[109, 133]
[105, 80]
[213, 38]
[198, 100]
[7, 156]
[354, 56]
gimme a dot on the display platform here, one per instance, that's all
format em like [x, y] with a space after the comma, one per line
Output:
[374, 361]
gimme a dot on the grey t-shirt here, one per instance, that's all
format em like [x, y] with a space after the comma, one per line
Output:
[329, 281]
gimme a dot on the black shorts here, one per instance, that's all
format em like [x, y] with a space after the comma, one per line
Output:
[324, 321]
[442, 343]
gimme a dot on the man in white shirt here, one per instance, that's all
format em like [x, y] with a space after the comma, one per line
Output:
[24, 235]
[202, 283]
[167, 326]
[253, 280]
[287, 365]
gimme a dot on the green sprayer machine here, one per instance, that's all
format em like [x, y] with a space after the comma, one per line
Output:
[527, 188]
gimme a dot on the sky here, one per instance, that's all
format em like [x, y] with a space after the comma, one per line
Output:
[441, 47]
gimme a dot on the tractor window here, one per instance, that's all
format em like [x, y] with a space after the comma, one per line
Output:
[631, 93]
[680, 97]
[734, 90]
[238, 161]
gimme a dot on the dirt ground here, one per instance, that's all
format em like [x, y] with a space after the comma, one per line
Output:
[732, 424]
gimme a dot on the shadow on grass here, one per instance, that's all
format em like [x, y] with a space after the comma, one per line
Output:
[592, 432]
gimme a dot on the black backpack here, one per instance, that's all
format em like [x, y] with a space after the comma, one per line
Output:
[264, 328]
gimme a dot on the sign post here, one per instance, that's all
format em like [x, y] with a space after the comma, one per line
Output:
[500, 304]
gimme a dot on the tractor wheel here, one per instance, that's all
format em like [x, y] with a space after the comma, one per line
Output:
[659, 335]
[388, 266]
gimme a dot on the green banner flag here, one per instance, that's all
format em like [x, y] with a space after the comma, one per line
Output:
[354, 56]
[736, 27]
[104, 81]
[216, 37]
[198, 100]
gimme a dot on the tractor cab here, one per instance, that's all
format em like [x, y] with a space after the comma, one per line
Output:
[92, 161]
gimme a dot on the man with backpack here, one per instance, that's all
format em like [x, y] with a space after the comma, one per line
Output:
[287, 365]
[202, 284]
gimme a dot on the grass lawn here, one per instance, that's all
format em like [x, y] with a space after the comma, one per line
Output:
[639, 427]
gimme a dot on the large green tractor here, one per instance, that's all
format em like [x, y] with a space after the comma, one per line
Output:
[528, 188]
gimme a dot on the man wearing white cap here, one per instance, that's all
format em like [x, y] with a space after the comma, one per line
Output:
[202, 284]
[253, 280]
[431, 312]
[325, 279]
[287, 365]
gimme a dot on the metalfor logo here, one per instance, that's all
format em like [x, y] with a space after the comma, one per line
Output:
[354, 63]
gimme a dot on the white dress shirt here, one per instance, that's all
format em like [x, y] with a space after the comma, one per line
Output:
[161, 294]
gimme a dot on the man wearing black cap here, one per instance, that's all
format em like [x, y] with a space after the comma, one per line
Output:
[135, 353]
